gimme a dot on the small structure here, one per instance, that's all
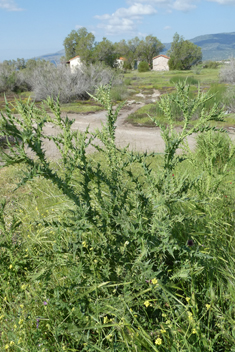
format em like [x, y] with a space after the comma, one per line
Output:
[120, 62]
[74, 63]
[160, 63]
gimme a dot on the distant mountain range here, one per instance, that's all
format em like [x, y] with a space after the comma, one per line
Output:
[219, 46]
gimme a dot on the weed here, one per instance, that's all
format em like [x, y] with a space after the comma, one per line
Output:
[117, 251]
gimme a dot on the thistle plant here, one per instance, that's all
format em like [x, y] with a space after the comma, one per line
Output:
[173, 139]
[133, 257]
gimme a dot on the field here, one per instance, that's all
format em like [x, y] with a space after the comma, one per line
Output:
[118, 250]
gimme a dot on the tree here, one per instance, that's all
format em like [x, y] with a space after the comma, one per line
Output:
[81, 43]
[183, 54]
[129, 50]
[105, 52]
[148, 48]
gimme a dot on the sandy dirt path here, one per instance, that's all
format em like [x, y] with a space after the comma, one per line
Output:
[138, 138]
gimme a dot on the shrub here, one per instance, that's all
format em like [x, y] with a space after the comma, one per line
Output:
[143, 66]
[51, 81]
[196, 69]
[10, 79]
[118, 93]
[211, 64]
[228, 99]
[227, 72]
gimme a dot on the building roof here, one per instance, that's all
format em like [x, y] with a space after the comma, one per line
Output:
[167, 57]
[73, 58]
[122, 58]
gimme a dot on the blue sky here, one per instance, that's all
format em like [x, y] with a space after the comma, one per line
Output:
[31, 28]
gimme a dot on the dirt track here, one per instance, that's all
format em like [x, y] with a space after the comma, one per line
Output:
[139, 138]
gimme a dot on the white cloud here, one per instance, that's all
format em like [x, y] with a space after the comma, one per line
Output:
[124, 19]
[9, 5]
[180, 5]
[224, 2]
[167, 28]
[183, 5]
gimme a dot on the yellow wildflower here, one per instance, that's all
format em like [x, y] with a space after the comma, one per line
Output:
[188, 299]
[147, 304]
[106, 320]
[109, 337]
[12, 343]
[10, 267]
[154, 281]
[163, 331]
[194, 331]
[6, 347]
[158, 341]
[208, 306]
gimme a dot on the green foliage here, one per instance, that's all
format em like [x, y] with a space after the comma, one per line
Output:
[118, 93]
[143, 66]
[211, 64]
[183, 54]
[190, 80]
[148, 48]
[104, 52]
[116, 251]
[215, 150]
[136, 49]
[81, 43]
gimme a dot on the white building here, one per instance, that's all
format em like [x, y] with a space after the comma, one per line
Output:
[120, 62]
[74, 63]
[160, 63]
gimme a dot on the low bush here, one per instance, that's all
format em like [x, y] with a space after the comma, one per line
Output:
[119, 93]
[211, 64]
[48, 81]
[190, 80]
[143, 66]
[227, 72]
[116, 251]
[228, 99]
[11, 80]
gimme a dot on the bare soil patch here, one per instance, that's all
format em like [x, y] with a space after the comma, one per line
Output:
[138, 138]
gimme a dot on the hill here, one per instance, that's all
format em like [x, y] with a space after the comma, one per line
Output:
[219, 46]
[55, 58]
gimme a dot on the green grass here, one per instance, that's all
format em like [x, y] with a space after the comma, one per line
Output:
[83, 107]
[161, 80]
